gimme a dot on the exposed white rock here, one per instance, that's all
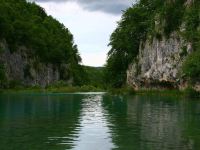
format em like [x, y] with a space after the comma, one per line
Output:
[159, 61]
[29, 71]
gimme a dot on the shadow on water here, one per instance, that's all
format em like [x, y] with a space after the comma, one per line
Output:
[96, 121]
[39, 121]
[153, 123]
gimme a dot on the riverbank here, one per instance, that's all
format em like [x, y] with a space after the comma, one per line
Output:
[113, 91]
[189, 92]
[61, 89]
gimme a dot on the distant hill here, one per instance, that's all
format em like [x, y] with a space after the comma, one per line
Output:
[95, 76]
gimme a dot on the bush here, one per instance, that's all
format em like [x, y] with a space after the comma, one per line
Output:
[191, 93]
[191, 67]
[3, 79]
[13, 84]
[89, 88]
[172, 15]
[57, 84]
[184, 52]
[122, 91]
[1, 49]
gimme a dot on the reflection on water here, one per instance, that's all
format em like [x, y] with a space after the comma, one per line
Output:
[29, 122]
[95, 121]
[94, 133]
[153, 123]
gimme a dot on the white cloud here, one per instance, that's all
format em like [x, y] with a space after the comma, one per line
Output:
[94, 59]
[108, 6]
[91, 30]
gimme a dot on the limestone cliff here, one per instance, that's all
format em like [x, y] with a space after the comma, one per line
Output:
[158, 63]
[156, 45]
[161, 57]
[25, 69]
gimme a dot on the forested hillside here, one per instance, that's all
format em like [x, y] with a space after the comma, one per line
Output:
[146, 25]
[40, 41]
[95, 76]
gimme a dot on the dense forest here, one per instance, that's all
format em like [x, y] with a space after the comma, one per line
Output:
[27, 24]
[95, 76]
[138, 23]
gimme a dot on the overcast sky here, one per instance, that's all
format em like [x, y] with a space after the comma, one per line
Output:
[90, 21]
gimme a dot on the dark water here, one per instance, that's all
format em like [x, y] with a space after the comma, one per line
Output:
[98, 122]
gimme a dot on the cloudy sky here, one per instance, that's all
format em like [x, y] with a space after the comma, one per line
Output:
[90, 21]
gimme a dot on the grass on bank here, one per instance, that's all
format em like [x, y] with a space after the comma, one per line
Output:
[59, 88]
[54, 89]
[189, 92]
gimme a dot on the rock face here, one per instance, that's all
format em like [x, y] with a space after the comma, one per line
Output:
[158, 63]
[22, 68]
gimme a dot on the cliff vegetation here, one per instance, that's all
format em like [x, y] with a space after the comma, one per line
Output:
[37, 45]
[150, 19]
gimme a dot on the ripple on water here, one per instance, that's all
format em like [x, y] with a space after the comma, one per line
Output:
[93, 121]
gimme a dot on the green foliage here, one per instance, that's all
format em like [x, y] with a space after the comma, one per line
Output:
[1, 49]
[95, 76]
[191, 66]
[89, 88]
[15, 84]
[158, 36]
[125, 41]
[79, 75]
[138, 24]
[86, 78]
[2, 75]
[192, 22]
[122, 91]
[57, 84]
[26, 24]
[27, 72]
[72, 89]
[172, 13]
[184, 51]
[191, 93]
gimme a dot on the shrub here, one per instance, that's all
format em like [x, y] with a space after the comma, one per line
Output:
[3, 79]
[191, 93]
[184, 52]
[13, 84]
[191, 67]
[1, 49]
[57, 84]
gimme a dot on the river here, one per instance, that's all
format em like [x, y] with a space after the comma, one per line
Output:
[97, 121]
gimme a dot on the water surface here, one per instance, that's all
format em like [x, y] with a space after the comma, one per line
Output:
[96, 121]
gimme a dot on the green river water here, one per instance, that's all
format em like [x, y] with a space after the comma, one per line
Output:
[96, 121]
